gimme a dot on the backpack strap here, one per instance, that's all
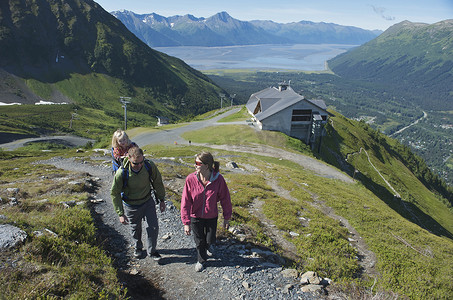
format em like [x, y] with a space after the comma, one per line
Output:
[149, 169]
[125, 176]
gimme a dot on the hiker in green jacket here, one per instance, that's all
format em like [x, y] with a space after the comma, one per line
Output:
[133, 190]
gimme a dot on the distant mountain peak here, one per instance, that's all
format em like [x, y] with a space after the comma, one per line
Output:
[223, 30]
[223, 16]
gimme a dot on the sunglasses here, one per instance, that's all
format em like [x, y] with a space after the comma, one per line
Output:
[198, 163]
[137, 163]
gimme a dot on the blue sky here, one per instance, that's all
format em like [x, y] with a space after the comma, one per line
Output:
[367, 14]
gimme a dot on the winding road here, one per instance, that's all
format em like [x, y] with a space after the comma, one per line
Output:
[68, 140]
[412, 124]
[171, 136]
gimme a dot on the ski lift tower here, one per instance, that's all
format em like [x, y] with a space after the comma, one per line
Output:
[125, 101]
[232, 97]
[222, 96]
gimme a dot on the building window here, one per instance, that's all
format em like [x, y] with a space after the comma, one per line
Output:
[301, 115]
[257, 108]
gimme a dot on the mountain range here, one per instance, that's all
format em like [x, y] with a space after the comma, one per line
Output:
[223, 30]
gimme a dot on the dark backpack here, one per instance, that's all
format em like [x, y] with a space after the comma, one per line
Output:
[116, 164]
[125, 176]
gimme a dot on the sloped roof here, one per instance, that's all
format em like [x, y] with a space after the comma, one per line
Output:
[273, 100]
[320, 103]
[267, 103]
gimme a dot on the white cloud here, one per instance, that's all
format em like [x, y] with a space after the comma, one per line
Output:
[381, 11]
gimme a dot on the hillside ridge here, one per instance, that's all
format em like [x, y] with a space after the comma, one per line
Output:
[414, 57]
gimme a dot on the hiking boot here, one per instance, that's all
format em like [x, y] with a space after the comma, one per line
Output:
[138, 253]
[210, 251]
[199, 267]
[156, 256]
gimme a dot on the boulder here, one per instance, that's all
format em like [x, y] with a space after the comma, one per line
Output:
[290, 273]
[232, 165]
[310, 278]
[11, 236]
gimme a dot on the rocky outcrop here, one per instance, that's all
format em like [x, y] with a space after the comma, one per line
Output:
[11, 237]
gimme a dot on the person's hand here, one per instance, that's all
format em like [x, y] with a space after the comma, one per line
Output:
[226, 224]
[124, 220]
[187, 229]
[162, 205]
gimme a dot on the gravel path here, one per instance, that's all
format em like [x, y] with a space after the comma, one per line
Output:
[238, 271]
[304, 161]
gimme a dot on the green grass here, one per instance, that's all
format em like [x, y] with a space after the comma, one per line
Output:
[41, 89]
[68, 265]
[241, 115]
[94, 102]
[431, 211]
[43, 146]
[244, 135]
[140, 130]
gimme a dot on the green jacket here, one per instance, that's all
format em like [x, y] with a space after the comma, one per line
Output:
[138, 186]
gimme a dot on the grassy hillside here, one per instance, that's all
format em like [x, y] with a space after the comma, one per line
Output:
[411, 56]
[355, 146]
[94, 98]
[410, 237]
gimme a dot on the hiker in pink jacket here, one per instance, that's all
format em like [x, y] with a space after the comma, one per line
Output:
[202, 190]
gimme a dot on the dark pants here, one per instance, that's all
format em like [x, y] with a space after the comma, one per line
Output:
[204, 235]
[146, 212]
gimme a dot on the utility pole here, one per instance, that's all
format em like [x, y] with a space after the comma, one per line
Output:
[73, 116]
[125, 101]
[221, 99]
[232, 97]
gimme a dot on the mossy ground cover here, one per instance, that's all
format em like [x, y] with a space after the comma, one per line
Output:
[61, 258]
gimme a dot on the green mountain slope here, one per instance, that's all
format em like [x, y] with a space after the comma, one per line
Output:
[74, 51]
[392, 172]
[414, 57]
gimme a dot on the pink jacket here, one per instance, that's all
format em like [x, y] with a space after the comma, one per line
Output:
[201, 202]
